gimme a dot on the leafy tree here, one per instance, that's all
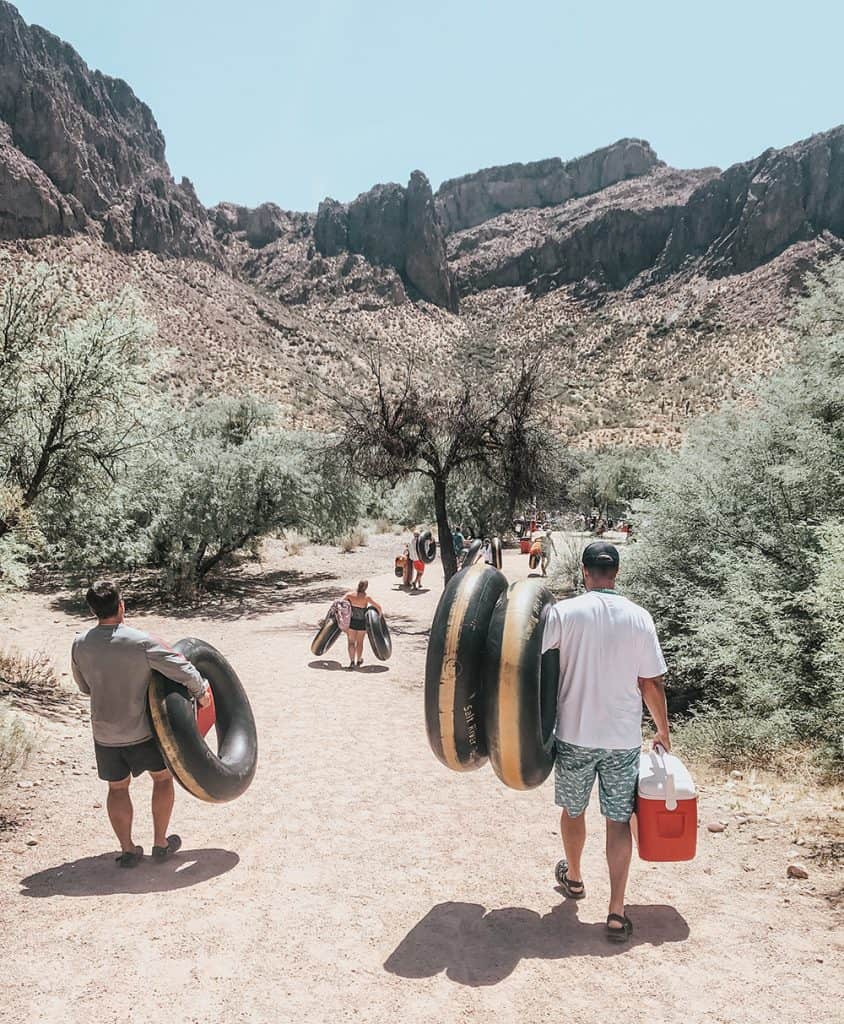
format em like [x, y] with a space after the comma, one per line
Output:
[74, 393]
[392, 428]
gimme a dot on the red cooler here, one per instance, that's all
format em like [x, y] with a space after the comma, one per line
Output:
[666, 809]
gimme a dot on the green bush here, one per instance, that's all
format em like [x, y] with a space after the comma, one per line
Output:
[742, 554]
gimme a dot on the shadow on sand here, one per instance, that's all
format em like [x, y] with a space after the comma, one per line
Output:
[335, 666]
[101, 876]
[477, 947]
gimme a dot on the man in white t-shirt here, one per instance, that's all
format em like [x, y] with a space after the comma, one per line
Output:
[610, 661]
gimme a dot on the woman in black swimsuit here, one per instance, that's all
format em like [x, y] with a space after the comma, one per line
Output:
[360, 601]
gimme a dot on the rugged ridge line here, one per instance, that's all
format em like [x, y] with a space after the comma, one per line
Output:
[474, 198]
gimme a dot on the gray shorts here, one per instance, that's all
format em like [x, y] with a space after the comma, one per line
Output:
[575, 769]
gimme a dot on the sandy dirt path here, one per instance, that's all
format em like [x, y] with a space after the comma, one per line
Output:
[359, 880]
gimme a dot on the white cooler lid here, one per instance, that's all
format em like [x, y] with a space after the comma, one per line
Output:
[664, 777]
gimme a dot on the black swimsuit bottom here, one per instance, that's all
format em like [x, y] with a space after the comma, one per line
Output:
[358, 618]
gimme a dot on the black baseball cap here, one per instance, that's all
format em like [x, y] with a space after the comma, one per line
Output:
[600, 555]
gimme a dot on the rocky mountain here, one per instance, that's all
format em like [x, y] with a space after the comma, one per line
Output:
[658, 290]
[77, 146]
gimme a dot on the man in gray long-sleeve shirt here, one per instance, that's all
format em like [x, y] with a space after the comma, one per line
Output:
[113, 663]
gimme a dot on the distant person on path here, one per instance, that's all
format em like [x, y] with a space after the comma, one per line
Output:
[486, 551]
[546, 546]
[356, 633]
[113, 663]
[458, 541]
[418, 564]
[610, 660]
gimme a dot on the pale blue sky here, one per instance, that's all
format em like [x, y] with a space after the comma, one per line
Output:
[289, 102]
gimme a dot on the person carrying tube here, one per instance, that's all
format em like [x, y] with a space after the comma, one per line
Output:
[610, 661]
[113, 664]
[356, 630]
[416, 559]
[546, 546]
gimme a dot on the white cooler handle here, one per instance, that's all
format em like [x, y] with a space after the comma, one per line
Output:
[670, 791]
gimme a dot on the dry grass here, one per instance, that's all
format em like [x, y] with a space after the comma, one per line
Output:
[15, 742]
[355, 538]
[26, 674]
[294, 543]
[383, 526]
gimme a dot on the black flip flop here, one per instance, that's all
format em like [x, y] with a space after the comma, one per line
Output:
[130, 858]
[160, 853]
[623, 933]
[574, 890]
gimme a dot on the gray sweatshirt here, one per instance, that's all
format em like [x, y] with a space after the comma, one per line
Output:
[114, 665]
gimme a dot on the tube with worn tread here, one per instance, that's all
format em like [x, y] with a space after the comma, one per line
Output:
[472, 553]
[218, 777]
[427, 547]
[454, 697]
[521, 687]
[326, 636]
[379, 634]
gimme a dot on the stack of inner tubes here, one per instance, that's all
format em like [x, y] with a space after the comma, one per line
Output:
[427, 547]
[489, 691]
[214, 777]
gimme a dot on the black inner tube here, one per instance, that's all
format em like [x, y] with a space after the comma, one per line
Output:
[326, 636]
[215, 777]
[454, 696]
[427, 547]
[379, 634]
[472, 553]
[497, 557]
[521, 685]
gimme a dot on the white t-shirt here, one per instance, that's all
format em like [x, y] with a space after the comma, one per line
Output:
[487, 549]
[606, 644]
[413, 549]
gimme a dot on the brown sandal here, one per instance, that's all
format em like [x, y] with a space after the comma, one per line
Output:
[623, 933]
[574, 890]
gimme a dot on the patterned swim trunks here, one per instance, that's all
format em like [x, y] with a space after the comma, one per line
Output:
[575, 769]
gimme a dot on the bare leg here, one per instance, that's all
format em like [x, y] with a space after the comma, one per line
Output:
[352, 642]
[573, 831]
[120, 812]
[359, 648]
[619, 852]
[163, 798]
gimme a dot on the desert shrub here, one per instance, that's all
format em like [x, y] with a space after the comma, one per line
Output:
[564, 573]
[383, 526]
[234, 484]
[294, 542]
[26, 674]
[16, 742]
[738, 562]
[352, 539]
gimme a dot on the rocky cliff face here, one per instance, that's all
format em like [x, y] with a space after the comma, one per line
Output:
[474, 198]
[392, 226]
[662, 222]
[98, 149]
